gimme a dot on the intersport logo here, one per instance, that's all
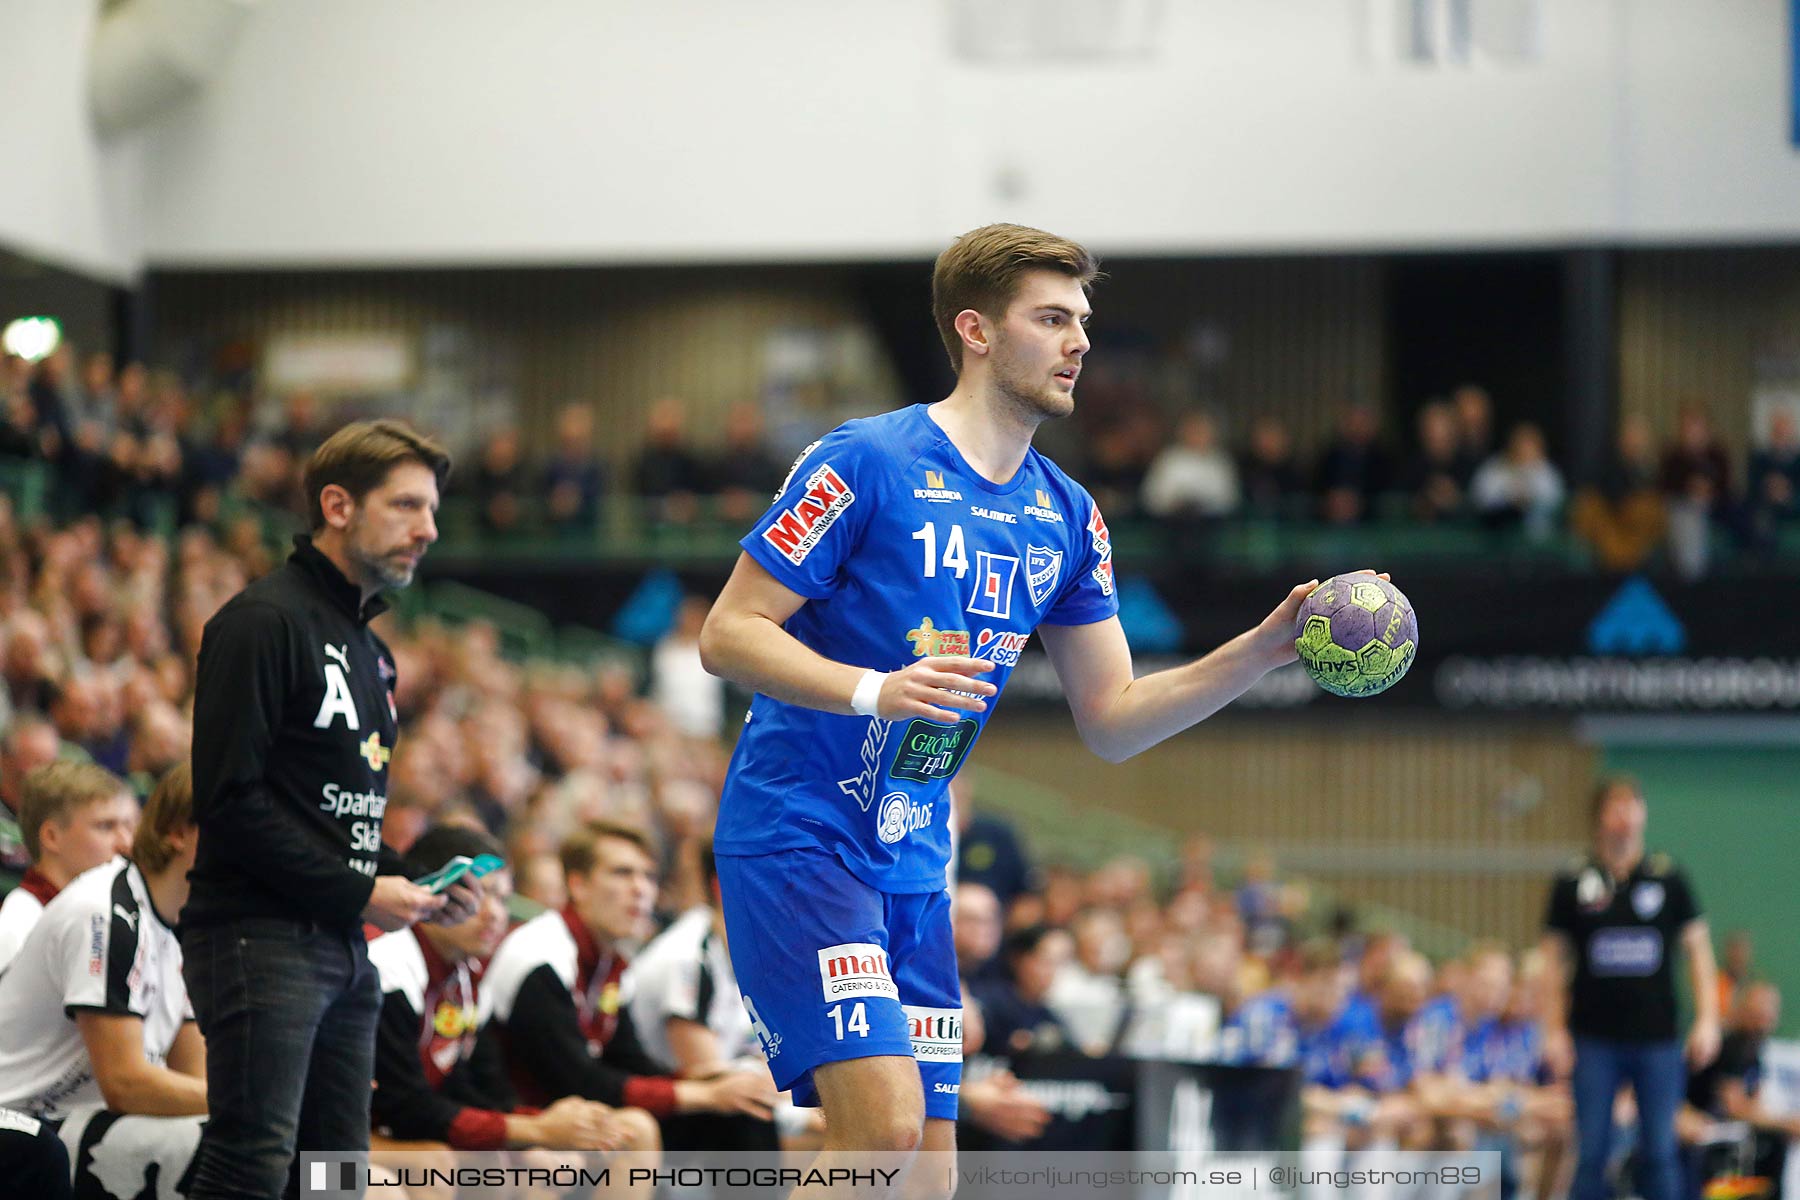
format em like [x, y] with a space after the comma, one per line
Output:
[856, 969]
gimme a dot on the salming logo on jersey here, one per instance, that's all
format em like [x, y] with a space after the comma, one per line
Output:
[905, 573]
[797, 530]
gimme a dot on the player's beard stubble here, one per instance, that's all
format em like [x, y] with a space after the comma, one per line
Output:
[1027, 389]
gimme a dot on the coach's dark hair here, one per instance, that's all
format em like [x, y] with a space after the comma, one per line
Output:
[1603, 791]
[580, 850]
[359, 457]
[441, 843]
[982, 268]
[169, 810]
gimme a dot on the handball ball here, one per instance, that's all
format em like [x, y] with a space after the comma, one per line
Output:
[1356, 635]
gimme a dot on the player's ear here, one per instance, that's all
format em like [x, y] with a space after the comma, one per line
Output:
[337, 505]
[973, 330]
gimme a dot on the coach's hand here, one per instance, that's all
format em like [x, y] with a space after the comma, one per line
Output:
[461, 901]
[398, 902]
[929, 688]
[573, 1123]
[747, 1092]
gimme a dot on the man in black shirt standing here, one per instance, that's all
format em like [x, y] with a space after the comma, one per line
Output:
[1617, 916]
[294, 725]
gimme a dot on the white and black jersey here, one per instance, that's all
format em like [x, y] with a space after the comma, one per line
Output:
[559, 1004]
[20, 911]
[686, 973]
[100, 946]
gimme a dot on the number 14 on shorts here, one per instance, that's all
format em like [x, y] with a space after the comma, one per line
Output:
[858, 1022]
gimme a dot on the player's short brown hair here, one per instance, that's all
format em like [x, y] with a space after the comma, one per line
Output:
[359, 456]
[581, 849]
[56, 792]
[169, 810]
[982, 268]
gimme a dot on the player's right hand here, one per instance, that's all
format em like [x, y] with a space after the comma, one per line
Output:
[398, 902]
[932, 687]
[749, 1092]
[573, 1123]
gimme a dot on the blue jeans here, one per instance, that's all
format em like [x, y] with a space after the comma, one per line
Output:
[1657, 1078]
[288, 1010]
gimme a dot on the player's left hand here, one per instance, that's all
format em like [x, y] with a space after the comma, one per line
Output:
[461, 901]
[1275, 634]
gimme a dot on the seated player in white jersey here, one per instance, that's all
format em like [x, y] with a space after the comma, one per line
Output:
[878, 609]
[98, 1034]
[690, 1016]
[72, 817]
[436, 1083]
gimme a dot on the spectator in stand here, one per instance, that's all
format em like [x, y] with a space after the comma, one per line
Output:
[1434, 480]
[988, 849]
[745, 474]
[1622, 516]
[691, 698]
[18, 416]
[1474, 427]
[1194, 479]
[88, 714]
[669, 475]
[1735, 969]
[1696, 479]
[992, 1104]
[1015, 1005]
[1520, 488]
[1730, 1089]
[976, 928]
[32, 662]
[573, 479]
[1354, 469]
[48, 389]
[1270, 479]
[1115, 474]
[1772, 491]
[75, 816]
[501, 482]
[298, 430]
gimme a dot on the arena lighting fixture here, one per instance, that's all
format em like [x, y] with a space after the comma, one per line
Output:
[32, 338]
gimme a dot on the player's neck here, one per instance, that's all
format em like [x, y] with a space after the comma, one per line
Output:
[990, 435]
[168, 892]
[55, 872]
[1620, 864]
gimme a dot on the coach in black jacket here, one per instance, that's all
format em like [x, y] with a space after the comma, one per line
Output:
[294, 725]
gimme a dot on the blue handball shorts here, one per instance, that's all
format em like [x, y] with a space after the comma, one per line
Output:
[832, 969]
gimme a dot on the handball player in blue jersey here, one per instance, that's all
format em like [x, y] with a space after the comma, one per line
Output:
[877, 611]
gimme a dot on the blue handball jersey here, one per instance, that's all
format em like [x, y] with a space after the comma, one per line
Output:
[902, 551]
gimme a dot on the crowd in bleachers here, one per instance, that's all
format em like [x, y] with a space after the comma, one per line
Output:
[126, 441]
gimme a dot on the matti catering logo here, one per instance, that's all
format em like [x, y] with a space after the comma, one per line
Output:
[1043, 510]
[856, 969]
[798, 529]
[928, 640]
[937, 1033]
[934, 490]
[373, 752]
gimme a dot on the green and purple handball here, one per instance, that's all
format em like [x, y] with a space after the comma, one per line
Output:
[1356, 635]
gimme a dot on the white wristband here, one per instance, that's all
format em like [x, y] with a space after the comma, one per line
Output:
[865, 701]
